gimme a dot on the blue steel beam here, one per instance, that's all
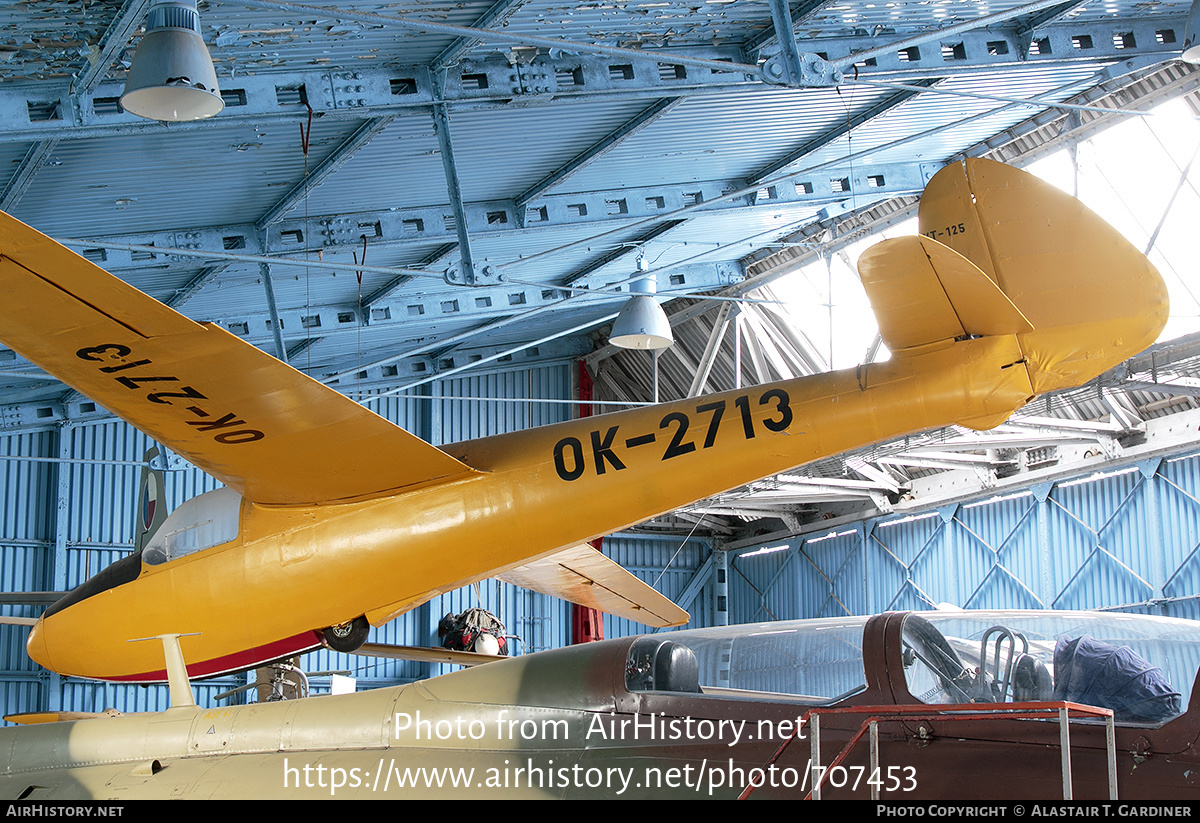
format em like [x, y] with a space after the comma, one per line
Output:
[500, 11]
[830, 183]
[487, 82]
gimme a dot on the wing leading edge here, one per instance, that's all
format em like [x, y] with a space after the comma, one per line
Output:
[256, 424]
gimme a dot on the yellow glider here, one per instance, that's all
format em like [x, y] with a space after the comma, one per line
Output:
[334, 515]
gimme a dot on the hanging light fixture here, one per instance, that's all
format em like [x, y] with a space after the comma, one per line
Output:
[642, 324]
[1191, 48]
[172, 76]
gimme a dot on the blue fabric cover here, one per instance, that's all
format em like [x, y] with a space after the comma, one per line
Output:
[1113, 677]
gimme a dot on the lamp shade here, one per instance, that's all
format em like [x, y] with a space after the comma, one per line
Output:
[172, 76]
[642, 324]
[1191, 48]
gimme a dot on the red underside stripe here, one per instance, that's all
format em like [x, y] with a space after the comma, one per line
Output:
[237, 662]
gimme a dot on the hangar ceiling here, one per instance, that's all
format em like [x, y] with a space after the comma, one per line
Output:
[401, 191]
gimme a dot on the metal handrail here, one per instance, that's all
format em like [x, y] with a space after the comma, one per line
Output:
[949, 713]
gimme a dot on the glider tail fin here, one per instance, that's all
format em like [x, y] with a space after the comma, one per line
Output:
[152, 500]
[1091, 297]
[1004, 253]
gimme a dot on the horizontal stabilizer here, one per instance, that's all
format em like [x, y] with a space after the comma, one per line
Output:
[256, 424]
[583, 575]
[9, 620]
[923, 292]
[424, 654]
[34, 718]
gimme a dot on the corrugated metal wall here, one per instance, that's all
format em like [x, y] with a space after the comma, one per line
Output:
[1128, 539]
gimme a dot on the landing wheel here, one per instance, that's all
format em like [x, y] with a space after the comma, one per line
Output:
[347, 637]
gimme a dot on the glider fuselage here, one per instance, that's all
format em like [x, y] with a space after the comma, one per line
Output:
[547, 487]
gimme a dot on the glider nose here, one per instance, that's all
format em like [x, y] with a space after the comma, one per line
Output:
[36, 645]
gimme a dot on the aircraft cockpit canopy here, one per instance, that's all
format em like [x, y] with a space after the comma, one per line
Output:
[815, 661]
[1141, 667]
[205, 521]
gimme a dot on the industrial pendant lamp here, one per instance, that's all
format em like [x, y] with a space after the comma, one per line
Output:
[642, 324]
[1191, 46]
[172, 76]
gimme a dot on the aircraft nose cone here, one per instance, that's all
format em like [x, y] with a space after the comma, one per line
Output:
[36, 645]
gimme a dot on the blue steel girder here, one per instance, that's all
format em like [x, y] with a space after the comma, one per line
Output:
[1191, 557]
[116, 38]
[837, 132]
[626, 130]
[368, 92]
[908, 567]
[1098, 549]
[92, 70]
[466, 272]
[491, 81]
[39, 155]
[341, 155]
[420, 315]
[696, 584]
[1000, 46]
[495, 16]
[439, 256]
[762, 597]
[798, 13]
[626, 250]
[996, 565]
[599, 210]
[831, 594]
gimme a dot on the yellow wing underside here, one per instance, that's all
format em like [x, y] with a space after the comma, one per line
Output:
[585, 576]
[254, 423]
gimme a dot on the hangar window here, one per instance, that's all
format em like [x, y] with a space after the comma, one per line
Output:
[201, 523]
